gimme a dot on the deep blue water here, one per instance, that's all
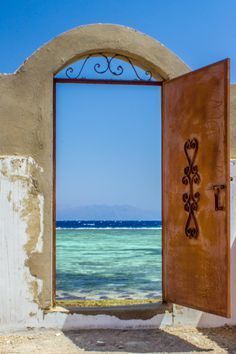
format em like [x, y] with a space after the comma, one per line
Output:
[98, 224]
[108, 259]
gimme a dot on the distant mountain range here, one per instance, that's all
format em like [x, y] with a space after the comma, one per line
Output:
[106, 212]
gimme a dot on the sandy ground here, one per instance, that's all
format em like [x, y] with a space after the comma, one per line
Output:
[170, 340]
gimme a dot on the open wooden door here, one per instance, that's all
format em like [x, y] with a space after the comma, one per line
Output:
[196, 182]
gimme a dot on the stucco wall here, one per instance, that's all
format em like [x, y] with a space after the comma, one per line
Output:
[233, 120]
[26, 160]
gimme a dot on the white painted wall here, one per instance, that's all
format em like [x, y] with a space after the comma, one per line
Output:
[18, 308]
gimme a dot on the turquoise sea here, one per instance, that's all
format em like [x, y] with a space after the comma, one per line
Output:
[108, 262]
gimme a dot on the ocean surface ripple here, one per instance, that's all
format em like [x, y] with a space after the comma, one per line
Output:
[108, 259]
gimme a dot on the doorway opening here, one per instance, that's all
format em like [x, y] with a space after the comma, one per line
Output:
[107, 240]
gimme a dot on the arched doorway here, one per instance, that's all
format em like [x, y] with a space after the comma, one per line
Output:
[38, 72]
[42, 67]
[132, 211]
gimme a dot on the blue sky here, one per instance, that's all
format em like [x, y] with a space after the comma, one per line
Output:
[108, 147]
[122, 164]
[200, 32]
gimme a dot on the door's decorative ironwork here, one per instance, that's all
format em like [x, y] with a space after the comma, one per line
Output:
[191, 177]
[108, 64]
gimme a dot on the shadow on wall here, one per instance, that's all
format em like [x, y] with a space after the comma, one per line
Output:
[132, 341]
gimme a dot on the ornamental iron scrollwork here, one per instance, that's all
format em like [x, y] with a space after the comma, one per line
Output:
[191, 177]
[107, 65]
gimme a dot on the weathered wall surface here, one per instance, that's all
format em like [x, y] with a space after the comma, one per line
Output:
[233, 120]
[21, 230]
[26, 166]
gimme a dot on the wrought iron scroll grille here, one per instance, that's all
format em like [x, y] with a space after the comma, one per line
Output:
[116, 65]
[190, 178]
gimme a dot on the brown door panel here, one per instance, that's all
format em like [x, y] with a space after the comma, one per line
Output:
[196, 161]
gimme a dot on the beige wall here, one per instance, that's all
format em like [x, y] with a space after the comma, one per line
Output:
[233, 120]
[26, 114]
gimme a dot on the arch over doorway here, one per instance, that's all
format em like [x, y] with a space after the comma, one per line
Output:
[145, 51]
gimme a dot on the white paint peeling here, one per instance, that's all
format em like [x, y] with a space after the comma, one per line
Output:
[18, 166]
[39, 245]
[16, 298]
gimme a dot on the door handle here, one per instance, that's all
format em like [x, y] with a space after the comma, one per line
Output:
[217, 188]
